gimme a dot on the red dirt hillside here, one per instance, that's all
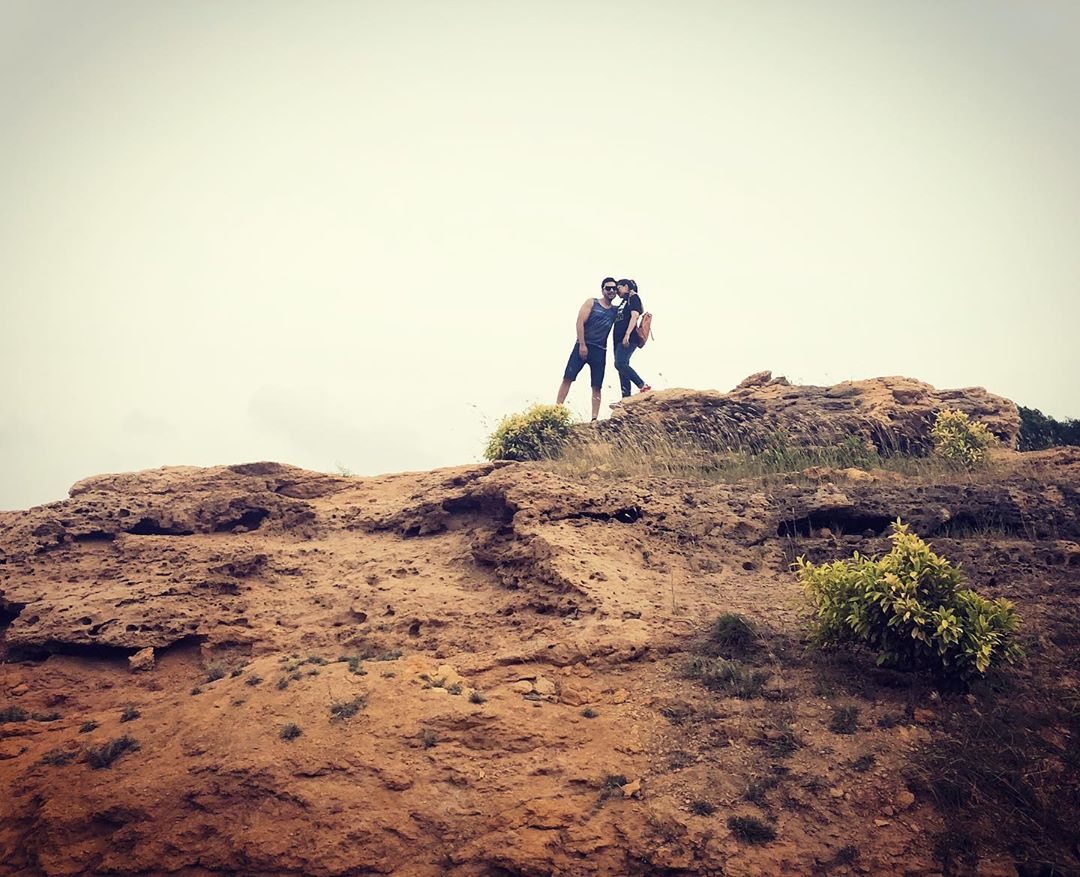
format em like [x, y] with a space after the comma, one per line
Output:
[481, 671]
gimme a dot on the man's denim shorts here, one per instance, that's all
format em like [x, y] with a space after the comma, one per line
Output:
[597, 361]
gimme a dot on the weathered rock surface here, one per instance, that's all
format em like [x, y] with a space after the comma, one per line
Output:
[892, 413]
[517, 642]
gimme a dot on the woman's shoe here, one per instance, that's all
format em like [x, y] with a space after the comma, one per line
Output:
[645, 389]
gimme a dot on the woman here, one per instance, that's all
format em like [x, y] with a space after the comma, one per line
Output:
[625, 339]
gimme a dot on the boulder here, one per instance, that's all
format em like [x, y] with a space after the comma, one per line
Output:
[889, 413]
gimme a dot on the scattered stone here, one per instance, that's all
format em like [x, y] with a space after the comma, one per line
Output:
[836, 792]
[905, 799]
[544, 686]
[881, 823]
[632, 789]
[925, 716]
[20, 689]
[522, 686]
[142, 660]
[620, 696]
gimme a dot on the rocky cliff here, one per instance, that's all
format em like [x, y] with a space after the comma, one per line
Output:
[261, 670]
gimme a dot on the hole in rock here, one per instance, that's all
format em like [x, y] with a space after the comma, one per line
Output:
[9, 611]
[93, 651]
[494, 507]
[95, 536]
[249, 520]
[150, 527]
[414, 629]
[968, 526]
[839, 523]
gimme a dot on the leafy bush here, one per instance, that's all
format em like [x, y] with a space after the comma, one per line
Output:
[1037, 431]
[539, 433]
[960, 440]
[910, 608]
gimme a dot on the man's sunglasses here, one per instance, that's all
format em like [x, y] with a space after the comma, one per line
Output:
[609, 289]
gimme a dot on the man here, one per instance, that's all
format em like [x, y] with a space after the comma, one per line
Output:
[594, 322]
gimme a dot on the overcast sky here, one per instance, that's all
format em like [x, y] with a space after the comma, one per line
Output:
[358, 233]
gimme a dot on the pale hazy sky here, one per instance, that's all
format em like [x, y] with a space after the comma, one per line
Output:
[358, 233]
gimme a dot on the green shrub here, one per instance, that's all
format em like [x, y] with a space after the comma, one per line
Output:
[1037, 431]
[909, 607]
[960, 440]
[537, 434]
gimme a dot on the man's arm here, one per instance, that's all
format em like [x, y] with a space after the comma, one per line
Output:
[583, 315]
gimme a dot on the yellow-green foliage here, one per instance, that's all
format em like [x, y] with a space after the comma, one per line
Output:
[536, 434]
[961, 440]
[909, 607]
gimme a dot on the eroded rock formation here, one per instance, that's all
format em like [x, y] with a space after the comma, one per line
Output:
[512, 649]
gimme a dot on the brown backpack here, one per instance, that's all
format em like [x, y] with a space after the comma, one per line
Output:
[644, 329]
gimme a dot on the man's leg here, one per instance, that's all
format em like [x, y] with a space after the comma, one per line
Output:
[564, 388]
[597, 363]
[573, 366]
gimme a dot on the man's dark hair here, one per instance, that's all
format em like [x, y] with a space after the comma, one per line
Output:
[631, 283]
[605, 281]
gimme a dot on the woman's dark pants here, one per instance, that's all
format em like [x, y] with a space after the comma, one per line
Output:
[626, 372]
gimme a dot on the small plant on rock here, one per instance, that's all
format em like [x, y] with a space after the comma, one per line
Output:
[477, 697]
[12, 714]
[702, 808]
[59, 757]
[290, 732]
[215, 672]
[347, 709]
[129, 714]
[537, 434]
[104, 755]
[750, 829]
[731, 677]
[959, 440]
[845, 720]
[732, 635]
[87, 727]
[909, 607]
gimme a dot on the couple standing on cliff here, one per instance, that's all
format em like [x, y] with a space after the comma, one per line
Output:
[594, 322]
